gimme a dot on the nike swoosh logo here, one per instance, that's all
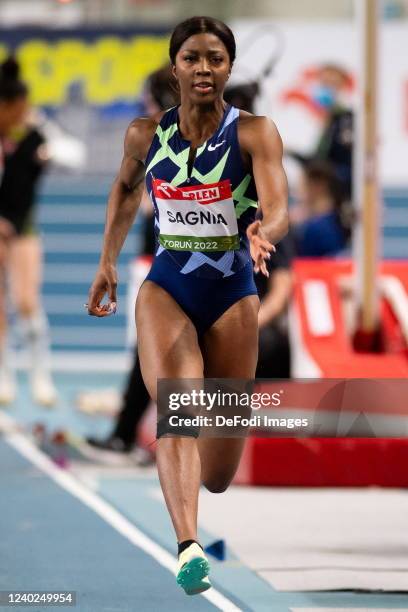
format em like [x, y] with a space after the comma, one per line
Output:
[213, 147]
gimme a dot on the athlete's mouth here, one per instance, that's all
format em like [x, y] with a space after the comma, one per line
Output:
[204, 86]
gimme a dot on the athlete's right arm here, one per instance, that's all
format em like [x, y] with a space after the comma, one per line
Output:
[123, 204]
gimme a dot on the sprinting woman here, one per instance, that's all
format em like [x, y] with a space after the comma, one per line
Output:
[206, 165]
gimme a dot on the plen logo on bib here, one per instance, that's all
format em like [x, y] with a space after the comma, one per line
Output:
[196, 218]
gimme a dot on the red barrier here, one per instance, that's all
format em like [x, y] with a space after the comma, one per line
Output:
[325, 462]
[321, 341]
[333, 352]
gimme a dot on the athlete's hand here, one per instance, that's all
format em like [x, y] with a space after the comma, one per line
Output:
[260, 247]
[105, 282]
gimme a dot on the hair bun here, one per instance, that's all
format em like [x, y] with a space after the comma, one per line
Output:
[10, 69]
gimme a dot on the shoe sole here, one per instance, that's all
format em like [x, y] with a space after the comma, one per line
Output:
[191, 575]
[103, 456]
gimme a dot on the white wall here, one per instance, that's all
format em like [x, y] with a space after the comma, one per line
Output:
[307, 45]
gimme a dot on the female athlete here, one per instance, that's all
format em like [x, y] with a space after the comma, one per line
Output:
[206, 166]
[22, 161]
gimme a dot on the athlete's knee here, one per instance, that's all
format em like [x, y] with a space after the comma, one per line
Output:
[34, 324]
[26, 307]
[172, 425]
[217, 484]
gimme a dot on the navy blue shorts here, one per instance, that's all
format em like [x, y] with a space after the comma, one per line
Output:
[203, 300]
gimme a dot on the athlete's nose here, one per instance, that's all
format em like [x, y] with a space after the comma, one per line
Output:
[203, 67]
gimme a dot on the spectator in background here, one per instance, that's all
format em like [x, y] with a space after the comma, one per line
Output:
[335, 144]
[242, 96]
[22, 158]
[159, 91]
[336, 141]
[275, 293]
[320, 228]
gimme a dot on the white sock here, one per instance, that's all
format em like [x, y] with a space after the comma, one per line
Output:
[5, 361]
[35, 332]
[8, 383]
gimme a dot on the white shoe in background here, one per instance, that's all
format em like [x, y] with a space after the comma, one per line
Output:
[8, 388]
[43, 390]
[102, 401]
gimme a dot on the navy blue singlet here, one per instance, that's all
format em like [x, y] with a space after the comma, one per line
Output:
[202, 254]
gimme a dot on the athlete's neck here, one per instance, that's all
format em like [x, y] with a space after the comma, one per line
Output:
[198, 122]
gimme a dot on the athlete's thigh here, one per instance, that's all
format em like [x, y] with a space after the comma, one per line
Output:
[25, 268]
[230, 350]
[166, 338]
[230, 346]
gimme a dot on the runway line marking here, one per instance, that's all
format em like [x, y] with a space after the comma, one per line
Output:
[101, 507]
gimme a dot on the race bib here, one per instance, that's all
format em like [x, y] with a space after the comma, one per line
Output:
[196, 218]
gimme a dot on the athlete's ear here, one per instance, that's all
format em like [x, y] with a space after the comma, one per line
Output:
[173, 71]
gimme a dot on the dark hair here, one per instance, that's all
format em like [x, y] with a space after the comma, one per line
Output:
[201, 25]
[242, 96]
[162, 87]
[11, 87]
[325, 172]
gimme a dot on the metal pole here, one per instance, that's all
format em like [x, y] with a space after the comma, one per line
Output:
[366, 190]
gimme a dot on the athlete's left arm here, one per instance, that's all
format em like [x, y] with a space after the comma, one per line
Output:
[262, 141]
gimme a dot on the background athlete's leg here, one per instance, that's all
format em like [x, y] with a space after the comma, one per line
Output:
[168, 348]
[230, 350]
[25, 274]
[7, 376]
[25, 285]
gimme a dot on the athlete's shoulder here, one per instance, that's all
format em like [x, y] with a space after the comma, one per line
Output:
[142, 129]
[140, 134]
[256, 124]
[257, 131]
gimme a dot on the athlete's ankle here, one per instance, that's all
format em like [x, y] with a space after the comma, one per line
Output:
[185, 544]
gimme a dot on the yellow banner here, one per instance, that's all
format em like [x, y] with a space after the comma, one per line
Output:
[110, 69]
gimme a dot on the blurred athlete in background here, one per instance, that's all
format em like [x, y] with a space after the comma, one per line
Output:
[23, 156]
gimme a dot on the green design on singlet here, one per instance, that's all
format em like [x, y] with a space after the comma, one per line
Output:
[243, 202]
[213, 176]
[166, 151]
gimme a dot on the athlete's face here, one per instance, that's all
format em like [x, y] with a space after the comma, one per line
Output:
[12, 113]
[202, 68]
